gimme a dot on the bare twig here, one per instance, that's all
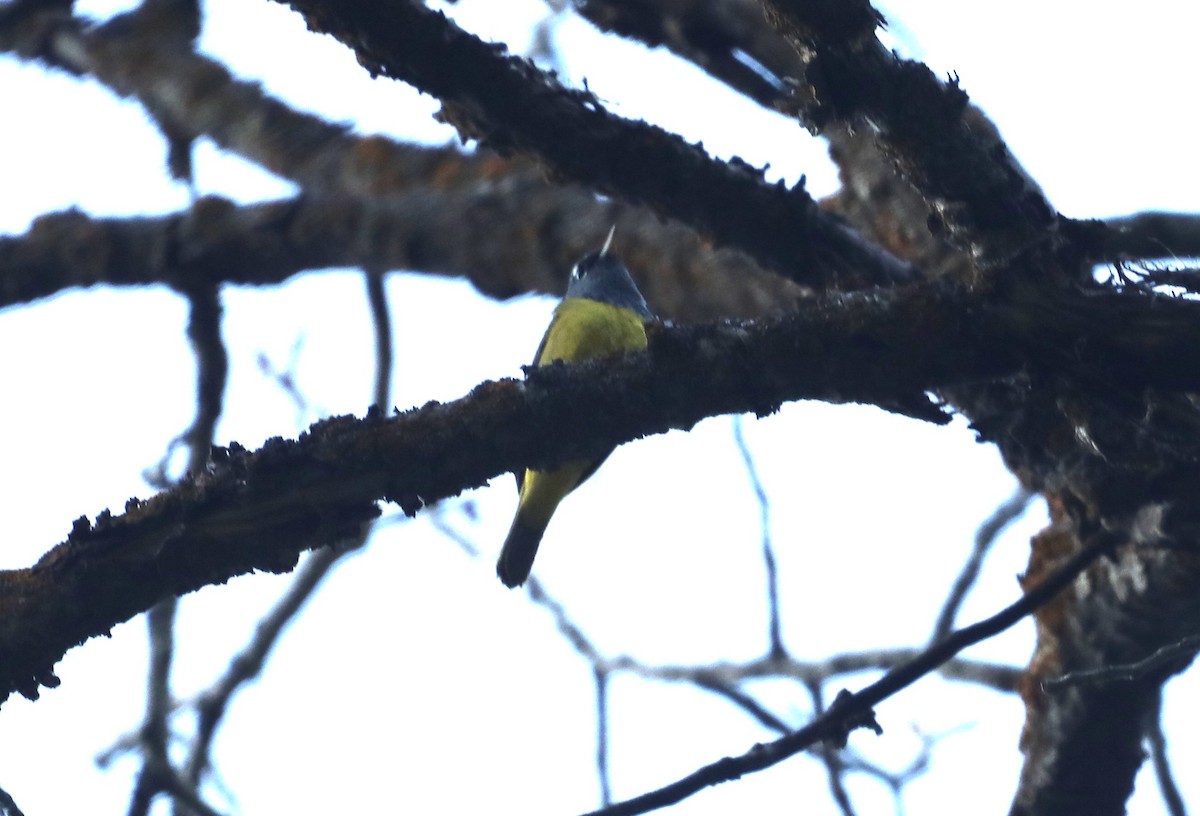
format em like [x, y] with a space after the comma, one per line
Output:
[438, 518]
[184, 796]
[285, 380]
[1181, 651]
[155, 730]
[985, 537]
[721, 680]
[212, 370]
[214, 703]
[851, 711]
[835, 768]
[212, 365]
[1157, 741]
[380, 317]
[774, 629]
[740, 699]
[601, 678]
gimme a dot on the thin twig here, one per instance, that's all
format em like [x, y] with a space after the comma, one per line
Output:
[212, 370]
[285, 380]
[602, 736]
[774, 632]
[248, 664]
[985, 537]
[186, 799]
[850, 711]
[1157, 740]
[743, 701]
[380, 317]
[1128, 672]
[835, 768]
[438, 519]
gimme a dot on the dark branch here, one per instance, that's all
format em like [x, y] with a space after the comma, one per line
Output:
[217, 241]
[835, 767]
[260, 510]
[191, 96]
[382, 321]
[860, 349]
[727, 38]
[8, 807]
[1152, 235]
[970, 182]
[510, 106]
[213, 704]
[212, 370]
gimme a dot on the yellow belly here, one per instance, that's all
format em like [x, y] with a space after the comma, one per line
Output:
[581, 330]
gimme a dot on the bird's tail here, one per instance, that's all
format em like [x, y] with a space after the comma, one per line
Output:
[516, 556]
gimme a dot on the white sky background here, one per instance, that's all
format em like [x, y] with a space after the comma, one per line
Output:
[415, 681]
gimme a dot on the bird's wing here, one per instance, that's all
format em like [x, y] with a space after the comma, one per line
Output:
[537, 360]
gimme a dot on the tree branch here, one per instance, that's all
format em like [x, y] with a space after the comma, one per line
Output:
[970, 182]
[1152, 235]
[1008, 512]
[730, 39]
[190, 95]
[510, 106]
[216, 241]
[259, 510]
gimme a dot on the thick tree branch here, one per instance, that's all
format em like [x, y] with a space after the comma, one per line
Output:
[1139, 597]
[216, 241]
[971, 183]
[259, 510]
[730, 39]
[1152, 235]
[193, 96]
[190, 96]
[509, 105]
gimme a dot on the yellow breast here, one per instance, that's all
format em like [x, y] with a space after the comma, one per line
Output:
[583, 329]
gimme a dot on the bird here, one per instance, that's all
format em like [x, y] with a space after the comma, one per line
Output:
[601, 314]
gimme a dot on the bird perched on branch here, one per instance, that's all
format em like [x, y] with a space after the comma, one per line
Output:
[602, 313]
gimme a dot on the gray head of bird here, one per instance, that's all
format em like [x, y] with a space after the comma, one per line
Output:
[600, 276]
